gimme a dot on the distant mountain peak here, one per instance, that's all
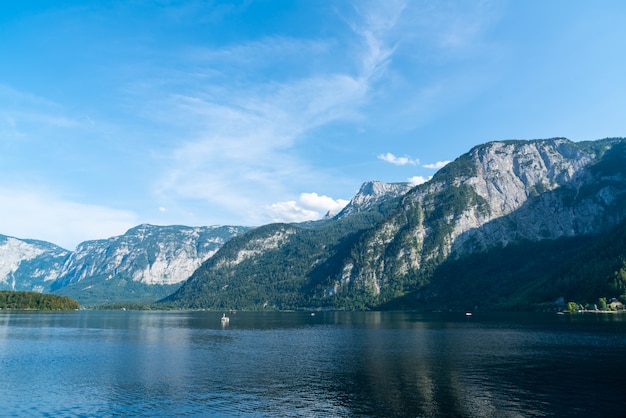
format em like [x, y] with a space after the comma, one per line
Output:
[371, 194]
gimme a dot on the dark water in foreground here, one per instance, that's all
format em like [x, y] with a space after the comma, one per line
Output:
[104, 363]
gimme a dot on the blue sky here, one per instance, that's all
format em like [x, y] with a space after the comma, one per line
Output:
[116, 113]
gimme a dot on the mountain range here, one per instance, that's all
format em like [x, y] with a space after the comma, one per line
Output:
[508, 225]
[145, 263]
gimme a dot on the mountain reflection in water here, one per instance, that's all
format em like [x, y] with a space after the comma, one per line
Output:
[134, 363]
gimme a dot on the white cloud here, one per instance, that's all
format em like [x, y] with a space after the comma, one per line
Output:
[35, 215]
[310, 206]
[437, 165]
[322, 203]
[415, 180]
[392, 159]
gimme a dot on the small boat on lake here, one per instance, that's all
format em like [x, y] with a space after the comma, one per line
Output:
[225, 319]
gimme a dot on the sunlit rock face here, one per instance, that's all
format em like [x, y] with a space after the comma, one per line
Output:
[148, 254]
[373, 193]
[152, 255]
[497, 193]
[29, 264]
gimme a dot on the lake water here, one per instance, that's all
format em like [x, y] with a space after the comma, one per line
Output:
[135, 363]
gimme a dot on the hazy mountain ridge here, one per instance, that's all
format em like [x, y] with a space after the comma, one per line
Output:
[146, 255]
[497, 194]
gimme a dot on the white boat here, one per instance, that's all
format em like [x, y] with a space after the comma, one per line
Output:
[225, 319]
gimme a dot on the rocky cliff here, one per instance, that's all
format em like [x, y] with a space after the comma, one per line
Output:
[498, 193]
[372, 194]
[145, 257]
[147, 254]
[29, 264]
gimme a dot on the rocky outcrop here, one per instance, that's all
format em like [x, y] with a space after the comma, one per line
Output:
[29, 264]
[147, 254]
[372, 194]
[498, 193]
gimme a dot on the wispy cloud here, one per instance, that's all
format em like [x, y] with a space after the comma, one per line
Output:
[437, 165]
[392, 159]
[239, 134]
[377, 20]
[23, 112]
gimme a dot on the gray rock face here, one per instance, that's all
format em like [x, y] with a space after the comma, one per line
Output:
[497, 193]
[371, 194]
[152, 255]
[147, 254]
[28, 264]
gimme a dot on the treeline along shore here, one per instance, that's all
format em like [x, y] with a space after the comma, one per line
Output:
[35, 301]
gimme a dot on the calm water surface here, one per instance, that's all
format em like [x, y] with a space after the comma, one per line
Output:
[126, 363]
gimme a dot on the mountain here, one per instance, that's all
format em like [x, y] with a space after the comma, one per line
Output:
[277, 265]
[372, 195]
[146, 263]
[500, 197]
[29, 264]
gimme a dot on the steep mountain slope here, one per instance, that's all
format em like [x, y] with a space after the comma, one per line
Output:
[145, 264]
[499, 194]
[276, 265]
[29, 264]
[529, 275]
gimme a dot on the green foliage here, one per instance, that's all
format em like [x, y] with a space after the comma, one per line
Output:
[461, 168]
[36, 301]
[102, 290]
[572, 307]
[276, 278]
[529, 275]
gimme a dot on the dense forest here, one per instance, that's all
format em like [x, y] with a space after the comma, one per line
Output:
[36, 301]
[528, 275]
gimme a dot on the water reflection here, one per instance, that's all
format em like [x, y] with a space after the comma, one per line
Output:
[295, 364]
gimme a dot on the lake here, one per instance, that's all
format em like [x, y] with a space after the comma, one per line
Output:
[184, 363]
